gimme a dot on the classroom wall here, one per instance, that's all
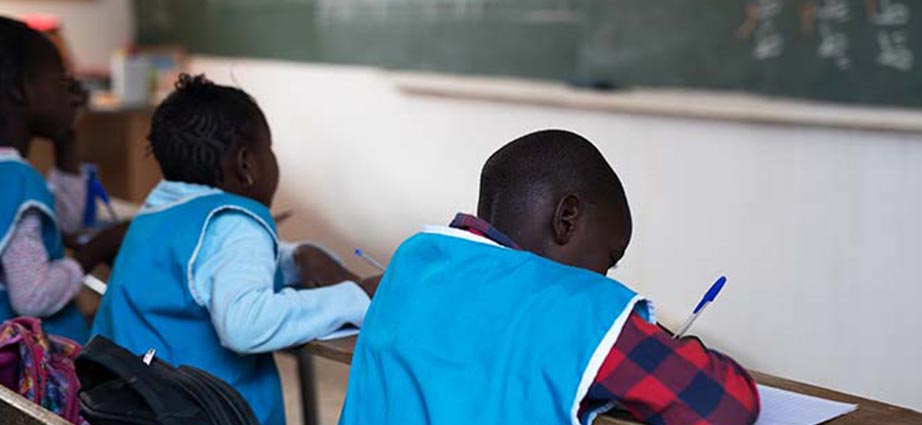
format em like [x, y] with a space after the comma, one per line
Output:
[93, 29]
[817, 229]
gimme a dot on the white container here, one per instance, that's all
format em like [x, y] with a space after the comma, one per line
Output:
[131, 78]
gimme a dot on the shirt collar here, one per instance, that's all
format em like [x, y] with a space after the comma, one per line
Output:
[481, 227]
[7, 152]
[168, 194]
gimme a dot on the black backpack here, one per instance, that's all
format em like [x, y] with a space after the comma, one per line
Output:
[118, 387]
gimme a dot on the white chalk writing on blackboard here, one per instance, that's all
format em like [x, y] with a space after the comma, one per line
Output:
[760, 25]
[888, 13]
[834, 43]
[537, 11]
[827, 20]
[833, 10]
[894, 50]
[891, 18]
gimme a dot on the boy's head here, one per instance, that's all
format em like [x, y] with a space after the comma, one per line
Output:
[35, 87]
[555, 195]
[215, 135]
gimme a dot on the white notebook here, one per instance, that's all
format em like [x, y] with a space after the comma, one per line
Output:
[343, 332]
[780, 407]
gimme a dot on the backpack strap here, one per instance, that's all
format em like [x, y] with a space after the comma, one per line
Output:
[226, 400]
[102, 354]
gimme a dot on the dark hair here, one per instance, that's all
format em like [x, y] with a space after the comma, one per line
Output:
[15, 37]
[197, 125]
[540, 165]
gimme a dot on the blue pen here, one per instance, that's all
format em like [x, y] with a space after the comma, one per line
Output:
[370, 260]
[708, 298]
[100, 191]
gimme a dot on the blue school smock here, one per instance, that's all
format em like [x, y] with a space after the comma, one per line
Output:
[23, 188]
[464, 331]
[148, 303]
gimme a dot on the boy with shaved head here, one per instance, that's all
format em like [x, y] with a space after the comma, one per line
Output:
[508, 317]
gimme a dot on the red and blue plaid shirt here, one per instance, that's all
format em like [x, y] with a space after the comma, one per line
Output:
[655, 378]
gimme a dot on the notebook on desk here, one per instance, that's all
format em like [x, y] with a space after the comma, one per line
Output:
[343, 332]
[780, 407]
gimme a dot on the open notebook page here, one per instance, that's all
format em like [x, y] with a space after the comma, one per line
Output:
[780, 407]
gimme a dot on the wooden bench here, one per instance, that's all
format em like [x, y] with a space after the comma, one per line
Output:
[869, 411]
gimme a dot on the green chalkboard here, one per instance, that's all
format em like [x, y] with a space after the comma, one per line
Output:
[856, 51]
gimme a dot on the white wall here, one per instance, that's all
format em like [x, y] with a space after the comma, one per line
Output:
[818, 230]
[93, 29]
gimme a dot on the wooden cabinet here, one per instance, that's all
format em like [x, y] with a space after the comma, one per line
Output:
[116, 141]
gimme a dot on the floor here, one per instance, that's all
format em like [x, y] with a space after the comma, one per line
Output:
[331, 388]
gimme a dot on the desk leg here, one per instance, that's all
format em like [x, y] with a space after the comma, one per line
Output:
[308, 388]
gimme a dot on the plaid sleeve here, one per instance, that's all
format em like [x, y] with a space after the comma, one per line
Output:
[661, 380]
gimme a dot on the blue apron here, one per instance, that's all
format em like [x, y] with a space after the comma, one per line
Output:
[148, 303]
[23, 188]
[468, 332]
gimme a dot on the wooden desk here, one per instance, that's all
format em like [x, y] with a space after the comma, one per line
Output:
[17, 410]
[869, 411]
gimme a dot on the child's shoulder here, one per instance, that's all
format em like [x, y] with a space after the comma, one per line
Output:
[18, 169]
[197, 212]
[20, 181]
[224, 200]
[237, 209]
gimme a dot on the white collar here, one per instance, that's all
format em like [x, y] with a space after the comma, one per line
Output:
[458, 233]
[168, 194]
[10, 154]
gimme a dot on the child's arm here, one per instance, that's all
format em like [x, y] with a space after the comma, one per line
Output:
[69, 199]
[68, 184]
[233, 279]
[673, 381]
[37, 287]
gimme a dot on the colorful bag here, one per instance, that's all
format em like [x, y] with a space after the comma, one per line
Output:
[40, 367]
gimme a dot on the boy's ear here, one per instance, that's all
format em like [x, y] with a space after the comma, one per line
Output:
[563, 223]
[245, 167]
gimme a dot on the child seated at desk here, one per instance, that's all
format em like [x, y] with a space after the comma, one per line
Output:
[38, 98]
[197, 277]
[508, 317]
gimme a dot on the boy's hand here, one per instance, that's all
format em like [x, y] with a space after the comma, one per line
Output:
[317, 268]
[102, 248]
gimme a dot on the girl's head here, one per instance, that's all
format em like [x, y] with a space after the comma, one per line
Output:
[215, 135]
[36, 90]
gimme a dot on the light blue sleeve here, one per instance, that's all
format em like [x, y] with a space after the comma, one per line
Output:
[233, 278]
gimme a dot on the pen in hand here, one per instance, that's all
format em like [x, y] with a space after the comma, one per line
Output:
[709, 297]
[370, 260]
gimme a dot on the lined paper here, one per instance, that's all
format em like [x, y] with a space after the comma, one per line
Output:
[780, 407]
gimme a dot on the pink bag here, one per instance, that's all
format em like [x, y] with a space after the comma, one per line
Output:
[40, 367]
